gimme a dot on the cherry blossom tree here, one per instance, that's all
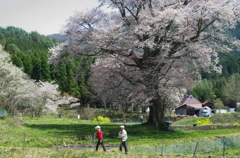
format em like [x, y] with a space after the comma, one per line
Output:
[12, 82]
[123, 88]
[168, 41]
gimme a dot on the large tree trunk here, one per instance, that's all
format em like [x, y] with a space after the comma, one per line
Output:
[156, 114]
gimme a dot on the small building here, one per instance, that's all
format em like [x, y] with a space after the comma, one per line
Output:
[3, 113]
[208, 104]
[188, 106]
[221, 111]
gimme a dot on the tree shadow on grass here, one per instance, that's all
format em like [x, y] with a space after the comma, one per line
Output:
[109, 131]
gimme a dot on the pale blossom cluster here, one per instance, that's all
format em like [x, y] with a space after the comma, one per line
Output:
[55, 53]
[48, 89]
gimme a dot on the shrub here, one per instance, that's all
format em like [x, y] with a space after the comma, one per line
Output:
[203, 121]
[101, 119]
[236, 125]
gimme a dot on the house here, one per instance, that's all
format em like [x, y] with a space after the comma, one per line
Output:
[209, 104]
[188, 106]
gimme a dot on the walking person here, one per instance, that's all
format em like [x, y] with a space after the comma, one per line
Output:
[99, 136]
[123, 135]
[141, 119]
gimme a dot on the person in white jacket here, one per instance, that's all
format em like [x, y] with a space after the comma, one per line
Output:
[123, 135]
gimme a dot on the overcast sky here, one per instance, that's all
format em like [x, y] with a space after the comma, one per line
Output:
[44, 16]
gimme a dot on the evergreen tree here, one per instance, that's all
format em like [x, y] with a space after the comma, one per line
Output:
[6, 46]
[36, 73]
[45, 68]
[27, 64]
[16, 60]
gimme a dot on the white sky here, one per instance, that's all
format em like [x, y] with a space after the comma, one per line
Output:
[44, 16]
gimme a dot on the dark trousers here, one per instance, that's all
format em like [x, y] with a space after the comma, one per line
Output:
[124, 144]
[98, 143]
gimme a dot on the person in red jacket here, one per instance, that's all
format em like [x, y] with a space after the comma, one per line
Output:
[99, 136]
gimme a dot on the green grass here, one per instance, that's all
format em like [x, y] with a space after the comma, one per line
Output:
[46, 137]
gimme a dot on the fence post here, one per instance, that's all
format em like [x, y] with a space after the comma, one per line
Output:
[24, 138]
[94, 136]
[223, 148]
[57, 141]
[195, 150]
[162, 147]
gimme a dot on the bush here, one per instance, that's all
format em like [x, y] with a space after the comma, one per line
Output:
[236, 125]
[203, 121]
[101, 119]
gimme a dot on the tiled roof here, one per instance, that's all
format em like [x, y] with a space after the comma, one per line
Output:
[206, 102]
[190, 101]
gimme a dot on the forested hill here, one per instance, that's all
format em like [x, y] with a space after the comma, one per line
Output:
[30, 52]
[25, 40]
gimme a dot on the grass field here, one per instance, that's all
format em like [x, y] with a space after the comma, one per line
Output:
[54, 137]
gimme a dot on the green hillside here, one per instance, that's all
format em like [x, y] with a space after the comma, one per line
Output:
[30, 52]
